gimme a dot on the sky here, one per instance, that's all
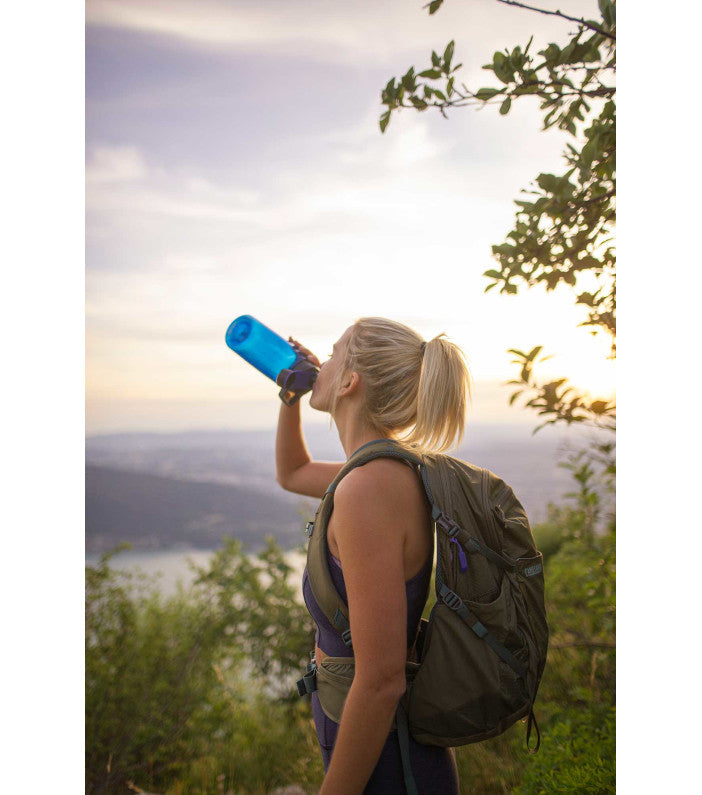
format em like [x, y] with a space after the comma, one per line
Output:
[234, 165]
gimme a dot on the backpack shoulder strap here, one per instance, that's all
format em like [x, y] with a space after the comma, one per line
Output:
[380, 448]
[321, 583]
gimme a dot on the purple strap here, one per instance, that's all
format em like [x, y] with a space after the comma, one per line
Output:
[461, 555]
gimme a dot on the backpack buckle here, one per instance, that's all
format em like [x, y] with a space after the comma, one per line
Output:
[309, 528]
[447, 525]
[308, 682]
[452, 600]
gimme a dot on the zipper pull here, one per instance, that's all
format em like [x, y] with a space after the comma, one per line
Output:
[463, 562]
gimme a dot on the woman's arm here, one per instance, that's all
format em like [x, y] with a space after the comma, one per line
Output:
[295, 469]
[370, 512]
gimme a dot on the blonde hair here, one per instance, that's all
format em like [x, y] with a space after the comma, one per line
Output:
[416, 391]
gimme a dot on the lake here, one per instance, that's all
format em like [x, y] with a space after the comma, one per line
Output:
[169, 567]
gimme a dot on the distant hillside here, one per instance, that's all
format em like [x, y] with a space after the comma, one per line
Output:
[155, 512]
[164, 490]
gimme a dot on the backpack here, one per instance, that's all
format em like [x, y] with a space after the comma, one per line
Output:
[477, 661]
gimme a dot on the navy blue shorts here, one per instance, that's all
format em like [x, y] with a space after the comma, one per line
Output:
[434, 768]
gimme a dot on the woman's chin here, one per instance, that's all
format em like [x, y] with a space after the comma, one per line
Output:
[316, 403]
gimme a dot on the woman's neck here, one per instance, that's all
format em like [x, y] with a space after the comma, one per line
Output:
[353, 432]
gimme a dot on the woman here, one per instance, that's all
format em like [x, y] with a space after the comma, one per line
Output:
[381, 381]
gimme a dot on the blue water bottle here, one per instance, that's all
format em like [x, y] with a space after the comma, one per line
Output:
[273, 356]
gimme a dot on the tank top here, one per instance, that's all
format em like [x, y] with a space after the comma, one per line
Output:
[327, 636]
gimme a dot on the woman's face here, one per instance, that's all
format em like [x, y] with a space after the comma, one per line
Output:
[327, 380]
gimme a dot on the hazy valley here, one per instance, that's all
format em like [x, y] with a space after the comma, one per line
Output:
[188, 490]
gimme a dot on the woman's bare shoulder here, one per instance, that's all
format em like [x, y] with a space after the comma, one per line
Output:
[387, 479]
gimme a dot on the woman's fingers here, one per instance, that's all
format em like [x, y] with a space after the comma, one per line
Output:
[306, 352]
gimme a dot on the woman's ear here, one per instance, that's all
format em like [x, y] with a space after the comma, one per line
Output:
[349, 383]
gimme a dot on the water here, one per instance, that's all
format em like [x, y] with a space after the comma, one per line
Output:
[170, 567]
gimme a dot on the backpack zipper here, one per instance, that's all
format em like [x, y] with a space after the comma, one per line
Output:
[489, 508]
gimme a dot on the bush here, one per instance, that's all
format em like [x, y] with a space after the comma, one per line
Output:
[578, 755]
[549, 534]
[182, 696]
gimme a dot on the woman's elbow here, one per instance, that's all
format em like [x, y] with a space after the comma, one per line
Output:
[390, 686]
[283, 480]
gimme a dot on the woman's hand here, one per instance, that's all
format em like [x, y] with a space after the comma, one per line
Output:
[306, 352]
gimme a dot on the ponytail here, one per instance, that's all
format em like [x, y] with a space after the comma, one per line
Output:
[416, 391]
[443, 392]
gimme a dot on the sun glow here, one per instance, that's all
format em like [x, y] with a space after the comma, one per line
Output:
[587, 366]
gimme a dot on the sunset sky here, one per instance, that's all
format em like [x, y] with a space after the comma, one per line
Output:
[234, 165]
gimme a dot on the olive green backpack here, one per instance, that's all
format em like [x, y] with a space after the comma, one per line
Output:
[477, 662]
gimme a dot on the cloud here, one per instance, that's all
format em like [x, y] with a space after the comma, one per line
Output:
[115, 164]
[336, 32]
[119, 178]
[319, 26]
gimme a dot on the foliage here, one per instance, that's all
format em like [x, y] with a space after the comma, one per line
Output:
[256, 609]
[181, 689]
[555, 400]
[578, 755]
[548, 535]
[563, 234]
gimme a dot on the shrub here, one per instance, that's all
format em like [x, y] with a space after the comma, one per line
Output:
[578, 755]
[183, 694]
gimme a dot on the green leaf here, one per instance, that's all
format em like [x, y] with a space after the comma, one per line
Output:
[551, 53]
[448, 53]
[435, 60]
[492, 274]
[408, 80]
[434, 6]
[547, 182]
[488, 93]
[505, 106]
[432, 74]
[384, 121]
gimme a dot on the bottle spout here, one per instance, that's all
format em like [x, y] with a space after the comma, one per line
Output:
[296, 380]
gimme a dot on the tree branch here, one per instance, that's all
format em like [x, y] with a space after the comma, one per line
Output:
[582, 22]
[594, 200]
